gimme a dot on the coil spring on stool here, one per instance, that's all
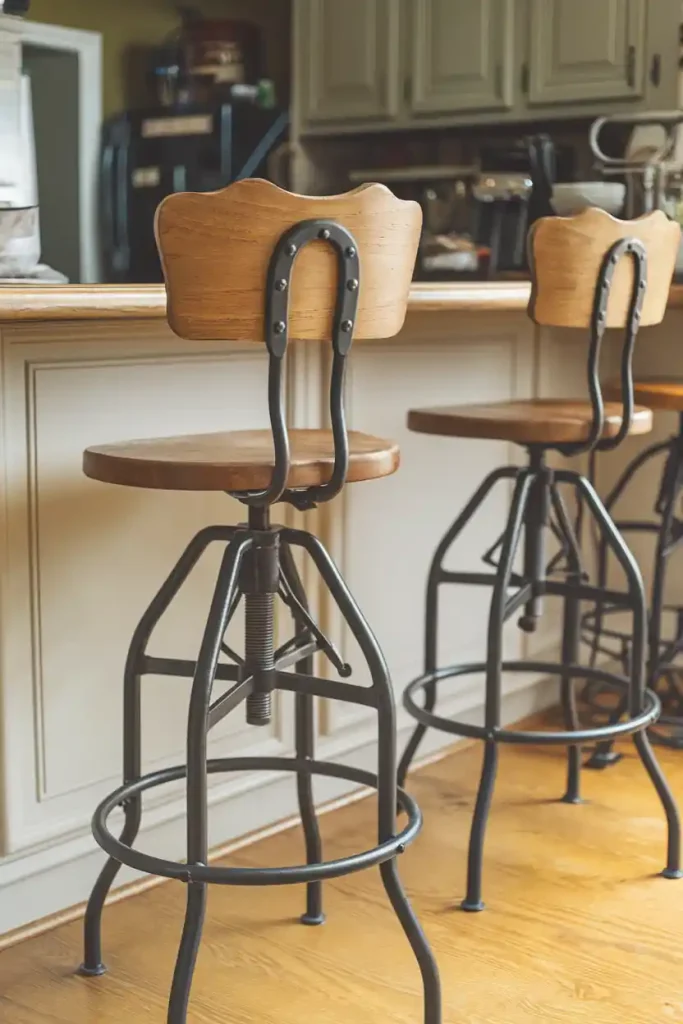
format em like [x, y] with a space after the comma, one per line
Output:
[259, 650]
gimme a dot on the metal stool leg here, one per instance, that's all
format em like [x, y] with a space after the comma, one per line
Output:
[570, 654]
[666, 542]
[387, 787]
[432, 609]
[92, 961]
[635, 584]
[604, 754]
[653, 769]
[570, 640]
[304, 728]
[93, 965]
[431, 648]
[197, 811]
[473, 901]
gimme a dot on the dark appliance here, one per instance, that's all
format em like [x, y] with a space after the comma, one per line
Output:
[502, 216]
[147, 155]
[515, 190]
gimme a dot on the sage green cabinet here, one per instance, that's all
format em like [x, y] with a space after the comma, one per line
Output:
[587, 50]
[348, 55]
[462, 55]
[402, 64]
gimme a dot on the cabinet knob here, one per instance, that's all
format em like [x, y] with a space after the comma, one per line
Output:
[631, 67]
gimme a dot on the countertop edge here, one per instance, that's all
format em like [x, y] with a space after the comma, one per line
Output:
[27, 303]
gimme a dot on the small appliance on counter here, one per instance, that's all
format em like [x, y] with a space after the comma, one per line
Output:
[476, 216]
[447, 248]
[20, 243]
[147, 155]
[512, 192]
[503, 219]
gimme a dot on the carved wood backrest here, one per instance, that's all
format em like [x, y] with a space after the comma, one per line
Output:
[566, 257]
[216, 248]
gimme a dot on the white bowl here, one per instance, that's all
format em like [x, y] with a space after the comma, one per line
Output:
[19, 240]
[572, 197]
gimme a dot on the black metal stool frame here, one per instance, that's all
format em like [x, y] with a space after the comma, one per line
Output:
[536, 496]
[258, 565]
[606, 639]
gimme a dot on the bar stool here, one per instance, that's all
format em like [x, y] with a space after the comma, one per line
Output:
[590, 272]
[600, 625]
[228, 260]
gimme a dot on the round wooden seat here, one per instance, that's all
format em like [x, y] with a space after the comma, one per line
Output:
[540, 421]
[238, 460]
[657, 392]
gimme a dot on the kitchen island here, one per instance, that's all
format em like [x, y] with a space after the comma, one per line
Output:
[92, 364]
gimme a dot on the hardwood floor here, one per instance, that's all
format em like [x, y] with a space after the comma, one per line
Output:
[579, 927]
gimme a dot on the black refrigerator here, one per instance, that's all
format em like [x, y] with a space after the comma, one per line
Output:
[147, 155]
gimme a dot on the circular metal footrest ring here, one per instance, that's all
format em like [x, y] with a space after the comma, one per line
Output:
[252, 876]
[606, 635]
[649, 714]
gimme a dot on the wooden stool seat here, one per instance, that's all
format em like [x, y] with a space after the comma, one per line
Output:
[657, 392]
[540, 421]
[238, 460]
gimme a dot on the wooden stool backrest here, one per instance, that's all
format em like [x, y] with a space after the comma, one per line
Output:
[566, 256]
[216, 247]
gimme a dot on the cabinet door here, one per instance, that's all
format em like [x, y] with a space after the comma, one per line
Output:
[462, 55]
[348, 52]
[583, 50]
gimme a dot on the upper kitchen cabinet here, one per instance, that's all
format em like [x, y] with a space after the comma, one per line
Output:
[462, 56]
[347, 60]
[404, 64]
[587, 50]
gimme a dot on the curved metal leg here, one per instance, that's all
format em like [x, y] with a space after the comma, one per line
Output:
[635, 585]
[494, 659]
[604, 754]
[432, 610]
[197, 729]
[601, 583]
[93, 965]
[669, 493]
[570, 642]
[475, 853]
[387, 786]
[673, 846]
[570, 655]
[431, 647]
[304, 728]
[187, 954]
[92, 961]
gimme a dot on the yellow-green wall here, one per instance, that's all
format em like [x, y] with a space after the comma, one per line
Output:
[126, 23]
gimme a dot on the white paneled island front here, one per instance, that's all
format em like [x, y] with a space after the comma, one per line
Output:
[80, 560]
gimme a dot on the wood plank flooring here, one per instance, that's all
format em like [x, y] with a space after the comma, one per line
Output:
[579, 927]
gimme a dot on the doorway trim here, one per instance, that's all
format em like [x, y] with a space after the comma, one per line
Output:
[88, 48]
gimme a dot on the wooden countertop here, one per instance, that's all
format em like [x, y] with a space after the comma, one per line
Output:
[148, 302]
